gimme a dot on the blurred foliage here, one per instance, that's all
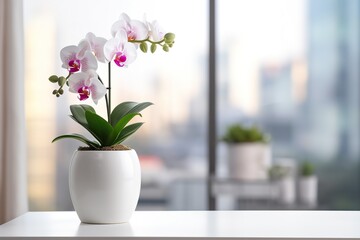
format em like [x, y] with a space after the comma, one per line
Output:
[306, 169]
[277, 172]
[238, 133]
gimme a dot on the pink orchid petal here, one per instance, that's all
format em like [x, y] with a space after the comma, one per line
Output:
[83, 47]
[122, 37]
[88, 62]
[87, 84]
[98, 90]
[156, 31]
[115, 45]
[67, 54]
[125, 17]
[96, 46]
[90, 37]
[119, 25]
[77, 81]
[130, 53]
[138, 30]
[91, 76]
[135, 30]
[110, 48]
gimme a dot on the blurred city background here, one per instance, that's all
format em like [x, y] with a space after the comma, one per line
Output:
[289, 67]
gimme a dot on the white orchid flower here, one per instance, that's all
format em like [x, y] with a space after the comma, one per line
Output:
[120, 50]
[87, 84]
[135, 29]
[93, 44]
[74, 62]
[156, 32]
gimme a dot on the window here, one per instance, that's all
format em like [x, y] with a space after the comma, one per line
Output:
[290, 67]
[171, 144]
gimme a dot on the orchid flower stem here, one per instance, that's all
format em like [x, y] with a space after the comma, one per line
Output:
[106, 100]
[147, 40]
[109, 88]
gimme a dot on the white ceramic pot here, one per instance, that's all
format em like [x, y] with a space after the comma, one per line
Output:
[105, 185]
[287, 191]
[248, 161]
[308, 191]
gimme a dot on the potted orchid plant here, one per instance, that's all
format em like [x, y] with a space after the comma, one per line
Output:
[105, 184]
[81, 62]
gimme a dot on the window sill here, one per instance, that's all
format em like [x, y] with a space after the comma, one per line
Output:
[191, 225]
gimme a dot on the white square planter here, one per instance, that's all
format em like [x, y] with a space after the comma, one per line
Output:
[248, 161]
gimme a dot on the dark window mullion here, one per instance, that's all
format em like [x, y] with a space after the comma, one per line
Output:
[212, 143]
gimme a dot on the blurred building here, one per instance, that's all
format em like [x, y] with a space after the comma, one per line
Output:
[331, 112]
[278, 106]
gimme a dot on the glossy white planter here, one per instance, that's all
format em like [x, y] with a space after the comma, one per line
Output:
[105, 185]
[248, 161]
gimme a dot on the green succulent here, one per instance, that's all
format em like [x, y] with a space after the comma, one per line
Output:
[238, 133]
[307, 169]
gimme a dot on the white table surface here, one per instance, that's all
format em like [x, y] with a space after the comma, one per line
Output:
[191, 225]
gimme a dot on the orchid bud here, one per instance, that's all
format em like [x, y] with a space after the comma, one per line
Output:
[54, 92]
[61, 81]
[53, 78]
[169, 37]
[143, 47]
[153, 48]
[61, 91]
[166, 48]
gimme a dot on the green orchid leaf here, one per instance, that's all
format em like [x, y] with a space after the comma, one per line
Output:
[99, 128]
[87, 108]
[78, 112]
[85, 125]
[80, 138]
[121, 110]
[120, 125]
[125, 108]
[128, 131]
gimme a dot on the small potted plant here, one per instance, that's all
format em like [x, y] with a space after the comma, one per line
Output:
[280, 174]
[307, 184]
[104, 176]
[248, 152]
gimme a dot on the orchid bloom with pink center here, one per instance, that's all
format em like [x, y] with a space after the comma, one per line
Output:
[135, 29]
[75, 62]
[120, 50]
[93, 44]
[87, 84]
